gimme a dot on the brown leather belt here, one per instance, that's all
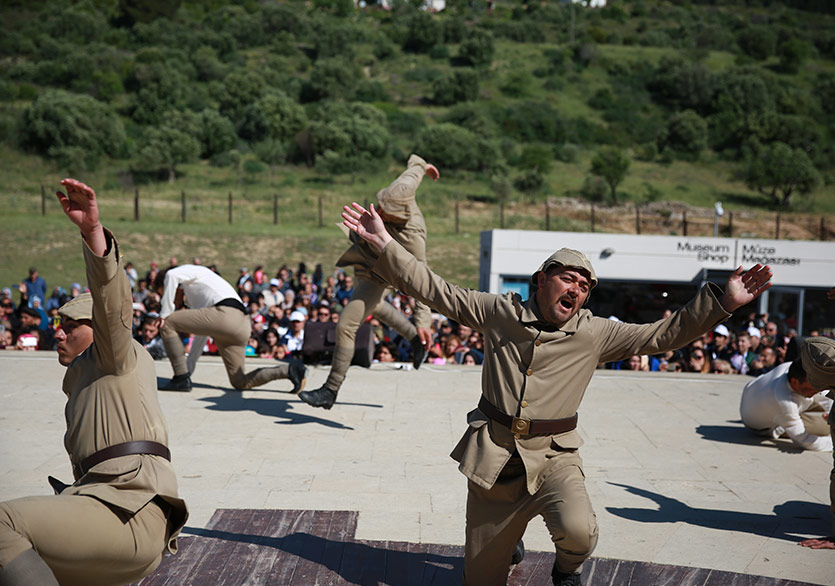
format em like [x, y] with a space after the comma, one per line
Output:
[521, 426]
[119, 450]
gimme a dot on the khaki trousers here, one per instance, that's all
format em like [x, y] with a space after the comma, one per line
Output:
[367, 299]
[497, 519]
[230, 330]
[82, 540]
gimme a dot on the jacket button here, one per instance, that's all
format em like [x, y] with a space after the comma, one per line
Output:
[524, 403]
[529, 372]
[538, 342]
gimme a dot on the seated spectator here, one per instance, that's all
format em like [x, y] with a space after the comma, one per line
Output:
[697, 360]
[343, 294]
[782, 403]
[294, 338]
[637, 363]
[324, 312]
[719, 366]
[58, 298]
[742, 358]
[765, 362]
[384, 353]
[28, 340]
[6, 339]
[473, 358]
[150, 338]
[272, 294]
[270, 341]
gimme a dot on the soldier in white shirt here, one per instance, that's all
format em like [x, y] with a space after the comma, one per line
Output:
[216, 310]
[783, 402]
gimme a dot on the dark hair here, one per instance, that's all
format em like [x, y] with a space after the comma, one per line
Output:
[797, 372]
[159, 280]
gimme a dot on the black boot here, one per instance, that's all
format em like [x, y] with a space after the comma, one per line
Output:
[518, 553]
[563, 579]
[298, 376]
[27, 569]
[180, 382]
[321, 397]
[418, 352]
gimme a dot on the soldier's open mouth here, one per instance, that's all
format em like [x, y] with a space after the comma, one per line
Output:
[567, 303]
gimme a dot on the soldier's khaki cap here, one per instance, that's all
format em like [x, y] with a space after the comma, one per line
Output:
[79, 308]
[818, 358]
[567, 257]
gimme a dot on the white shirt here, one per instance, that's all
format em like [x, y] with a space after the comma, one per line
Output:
[292, 342]
[768, 402]
[202, 287]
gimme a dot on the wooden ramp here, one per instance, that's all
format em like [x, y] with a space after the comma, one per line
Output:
[306, 548]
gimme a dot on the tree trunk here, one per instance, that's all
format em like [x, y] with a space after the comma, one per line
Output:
[171, 174]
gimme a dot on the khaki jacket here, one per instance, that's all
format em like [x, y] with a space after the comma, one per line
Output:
[111, 391]
[533, 369]
[411, 233]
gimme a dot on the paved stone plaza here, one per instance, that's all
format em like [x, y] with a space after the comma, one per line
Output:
[674, 477]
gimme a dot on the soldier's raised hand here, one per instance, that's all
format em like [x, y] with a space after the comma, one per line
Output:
[432, 171]
[743, 287]
[81, 207]
[367, 224]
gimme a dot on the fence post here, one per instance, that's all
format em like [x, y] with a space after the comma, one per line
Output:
[823, 229]
[275, 209]
[592, 216]
[777, 230]
[230, 207]
[501, 214]
[320, 212]
[183, 205]
[637, 218]
[730, 224]
[684, 222]
[547, 217]
[43, 200]
[136, 204]
[457, 225]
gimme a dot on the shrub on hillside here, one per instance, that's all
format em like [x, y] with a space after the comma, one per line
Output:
[686, 134]
[452, 147]
[779, 171]
[59, 121]
[472, 116]
[422, 32]
[530, 122]
[757, 41]
[273, 116]
[459, 86]
[477, 48]
[333, 78]
[793, 54]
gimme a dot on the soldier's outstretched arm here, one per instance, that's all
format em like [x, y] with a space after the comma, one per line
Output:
[109, 286]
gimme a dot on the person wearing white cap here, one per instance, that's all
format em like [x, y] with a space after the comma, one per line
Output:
[216, 310]
[719, 348]
[293, 340]
[272, 294]
[520, 450]
[122, 513]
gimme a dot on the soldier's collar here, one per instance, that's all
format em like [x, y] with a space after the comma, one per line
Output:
[531, 315]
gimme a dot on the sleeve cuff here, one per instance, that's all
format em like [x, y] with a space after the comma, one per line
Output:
[102, 269]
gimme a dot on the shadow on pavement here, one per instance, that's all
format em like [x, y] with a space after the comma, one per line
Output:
[789, 518]
[280, 408]
[739, 434]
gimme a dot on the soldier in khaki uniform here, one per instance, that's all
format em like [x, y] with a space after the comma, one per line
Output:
[818, 358]
[116, 521]
[520, 451]
[405, 222]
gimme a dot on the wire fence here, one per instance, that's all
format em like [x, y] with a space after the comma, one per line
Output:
[452, 217]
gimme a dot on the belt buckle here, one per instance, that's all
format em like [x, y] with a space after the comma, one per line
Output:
[520, 426]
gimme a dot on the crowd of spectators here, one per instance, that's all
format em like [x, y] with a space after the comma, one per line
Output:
[280, 305]
[754, 347]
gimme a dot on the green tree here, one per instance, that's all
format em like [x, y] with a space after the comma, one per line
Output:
[58, 122]
[239, 90]
[423, 32]
[778, 171]
[757, 41]
[793, 53]
[687, 133]
[611, 164]
[273, 116]
[459, 86]
[333, 78]
[166, 147]
[453, 147]
[477, 48]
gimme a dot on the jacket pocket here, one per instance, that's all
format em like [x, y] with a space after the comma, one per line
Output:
[124, 468]
[569, 440]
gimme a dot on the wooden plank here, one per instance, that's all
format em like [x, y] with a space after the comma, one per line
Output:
[522, 574]
[397, 562]
[416, 563]
[343, 527]
[288, 548]
[445, 564]
[312, 549]
[267, 529]
[246, 549]
[211, 563]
